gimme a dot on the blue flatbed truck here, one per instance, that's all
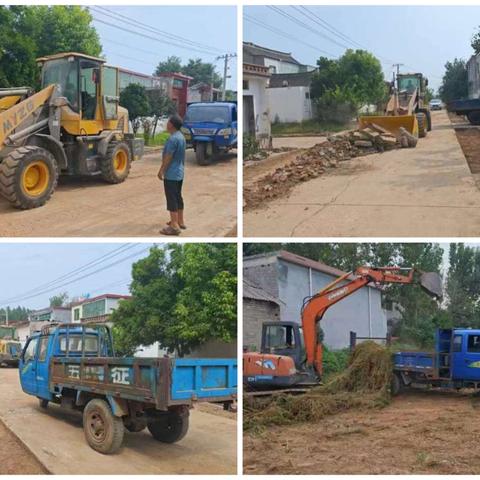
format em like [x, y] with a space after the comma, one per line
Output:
[455, 362]
[210, 128]
[75, 366]
[469, 107]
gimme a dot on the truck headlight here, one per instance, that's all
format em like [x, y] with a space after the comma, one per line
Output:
[225, 132]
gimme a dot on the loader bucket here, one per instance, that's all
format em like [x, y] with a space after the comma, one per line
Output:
[431, 283]
[392, 123]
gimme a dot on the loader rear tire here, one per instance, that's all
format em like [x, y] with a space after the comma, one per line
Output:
[115, 166]
[28, 177]
[103, 430]
[169, 427]
[422, 127]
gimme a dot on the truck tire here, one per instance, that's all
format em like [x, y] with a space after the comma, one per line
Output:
[43, 403]
[397, 385]
[201, 155]
[422, 127]
[428, 114]
[103, 430]
[135, 425]
[169, 427]
[474, 117]
[115, 166]
[28, 177]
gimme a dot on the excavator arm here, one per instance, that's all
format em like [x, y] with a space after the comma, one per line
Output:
[315, 307]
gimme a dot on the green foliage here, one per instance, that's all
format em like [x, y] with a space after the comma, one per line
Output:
[455, 81]
[475, 42]
[354, 80]
[429, 94]
[335, 106]
[59, 300]
[334, 361]
[134, 98]
[198, 69]
[183, 295]
[28, 32]
[16, 314]
[250, 145]
[305, 128]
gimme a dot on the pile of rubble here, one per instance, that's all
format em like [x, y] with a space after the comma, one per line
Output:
[314, 161]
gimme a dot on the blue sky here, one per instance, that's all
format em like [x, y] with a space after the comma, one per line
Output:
[26, 266]
[423, 38]
[213, 26]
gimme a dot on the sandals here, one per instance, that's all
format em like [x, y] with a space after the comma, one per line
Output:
[183, 227]
[168, 230]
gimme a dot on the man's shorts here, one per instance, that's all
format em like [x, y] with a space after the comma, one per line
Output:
[173, 194]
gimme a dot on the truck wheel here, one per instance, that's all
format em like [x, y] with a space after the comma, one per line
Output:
[397, 385]
[43, 403]
[169, 427]
[135, 425]
[103, 430]
[28, 177]
[422, 127]
[201, 154]
[115, 166]
[474, 117]
[428, 114]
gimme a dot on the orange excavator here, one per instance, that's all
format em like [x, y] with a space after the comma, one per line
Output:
[291, 355]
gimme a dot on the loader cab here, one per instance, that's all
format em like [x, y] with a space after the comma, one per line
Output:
[90, 87]
[408, 82]
[285, 339]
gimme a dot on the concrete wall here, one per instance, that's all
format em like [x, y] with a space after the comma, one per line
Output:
[256, 88]
[23, 332]
[281, 67]
[473, 73]
[263, 271]
[255, 312]
[215, 349]
[289, 104]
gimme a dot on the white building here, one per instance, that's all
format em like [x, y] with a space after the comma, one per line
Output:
[22, 330]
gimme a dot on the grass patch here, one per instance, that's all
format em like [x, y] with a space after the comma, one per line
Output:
[365, 383]
[158, 140]
[306, 127]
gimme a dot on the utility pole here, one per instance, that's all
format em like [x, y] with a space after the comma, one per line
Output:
[397, 66]
[225, 58]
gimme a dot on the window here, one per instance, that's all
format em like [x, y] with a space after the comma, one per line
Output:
[214, 114]
[473, 345]
[42, 348]
[88, 89]
[246, 85]
[110, 96]
[177, 83]
[279, 336]
[457, 343]
[64, 73]
[75, 343]
[30, 350]
[307, 95]
[234, 114]
[76, 314]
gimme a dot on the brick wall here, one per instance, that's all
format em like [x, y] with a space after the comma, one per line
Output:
[255, 312]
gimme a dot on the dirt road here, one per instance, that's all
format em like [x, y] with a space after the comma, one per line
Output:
[419, 433]
[56, 438]
[425, 191]
[91, 208]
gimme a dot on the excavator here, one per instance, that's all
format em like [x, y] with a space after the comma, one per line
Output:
[291, 356]
[72, 126]
[406, 107]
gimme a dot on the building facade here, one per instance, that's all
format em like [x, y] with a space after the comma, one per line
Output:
[291, 278]
[97, 309]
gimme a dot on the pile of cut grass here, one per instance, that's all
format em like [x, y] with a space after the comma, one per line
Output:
[365, 383]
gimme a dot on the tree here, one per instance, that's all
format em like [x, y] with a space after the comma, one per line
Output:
[134, 98]
[160, 105]
[171, 64]
[455, 81]
[28, 32]
[59, 300]
[202, 72]
[355, 77]
[16, 314]
[183, 295]
[475, 42]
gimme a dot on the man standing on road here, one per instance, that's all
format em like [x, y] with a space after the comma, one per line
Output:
[171, 173]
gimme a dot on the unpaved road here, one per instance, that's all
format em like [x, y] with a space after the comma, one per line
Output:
[16, 459]
[425, 191]
[418, 433]
[90, 208]
[298, 141]
[56, 438]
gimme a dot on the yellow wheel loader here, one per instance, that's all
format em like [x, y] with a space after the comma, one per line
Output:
[406, 107]
[72, 126]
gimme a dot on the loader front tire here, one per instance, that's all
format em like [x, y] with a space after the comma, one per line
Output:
[115, 166]
[169, 427]
[103, 430]
[28, 177]
[422, 127]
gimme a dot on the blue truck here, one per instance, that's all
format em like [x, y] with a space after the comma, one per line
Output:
[455, 362]
[210, 128]
[75, 366]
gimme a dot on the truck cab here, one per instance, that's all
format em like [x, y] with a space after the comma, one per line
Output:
[10, 351]
[210, 128]
[74, 365]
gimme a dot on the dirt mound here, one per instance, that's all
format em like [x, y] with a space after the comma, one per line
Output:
[316, 160]
[364, 384]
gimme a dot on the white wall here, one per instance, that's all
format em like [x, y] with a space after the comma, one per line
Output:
[282, 67]
[23, 333]
[289, 104]
[257, 88]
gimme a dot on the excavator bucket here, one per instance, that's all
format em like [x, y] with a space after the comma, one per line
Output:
[431, 283]
[392, 123]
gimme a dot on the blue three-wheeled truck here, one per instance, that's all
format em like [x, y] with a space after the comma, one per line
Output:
[455, 363]
[75, 366]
